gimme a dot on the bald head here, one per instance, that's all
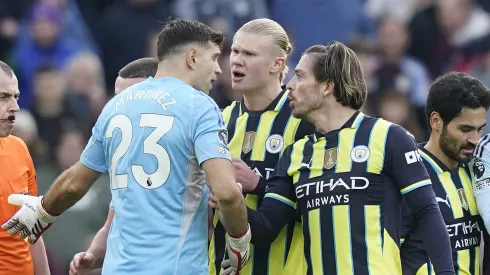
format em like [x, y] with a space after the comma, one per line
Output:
[9, 93]
[136, 72]
[6, 69]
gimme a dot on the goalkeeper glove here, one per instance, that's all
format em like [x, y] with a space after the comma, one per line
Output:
[238, 250]
[31, 220]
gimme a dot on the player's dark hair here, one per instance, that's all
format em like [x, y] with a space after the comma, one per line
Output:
[6, 69]
[339, 64]
[140, 68]
[178, 32]
[453, 91]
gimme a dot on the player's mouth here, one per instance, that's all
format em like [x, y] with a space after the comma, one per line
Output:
[237, 75]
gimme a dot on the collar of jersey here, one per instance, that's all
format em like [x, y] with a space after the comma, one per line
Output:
[276, 105]
[353, 123]
[168, 78]
[438, 165]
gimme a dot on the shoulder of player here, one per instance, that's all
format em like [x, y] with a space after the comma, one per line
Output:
[229, 108]
[482, 148]
[16, 145]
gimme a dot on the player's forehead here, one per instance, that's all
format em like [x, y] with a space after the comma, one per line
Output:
[247, 41]
[305, 64]
[470, 117]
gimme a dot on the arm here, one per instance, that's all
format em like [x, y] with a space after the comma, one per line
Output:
[231, 204]
[39, 257]
[211, 147]
[278, 207]
[74, 182]
[480, 173]
[99, 243]
[69, 188]
[403, 163]
[38, 250]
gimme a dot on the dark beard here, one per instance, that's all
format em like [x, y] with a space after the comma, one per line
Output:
[450, 147]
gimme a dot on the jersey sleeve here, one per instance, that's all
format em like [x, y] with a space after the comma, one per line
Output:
[277, 208]
[480, 173]
[403, 162]
[210, 135]
[93, 155]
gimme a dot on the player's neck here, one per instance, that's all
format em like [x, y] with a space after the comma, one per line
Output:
[171, 69]
[328, 119]
[258, 100]
[435, 149]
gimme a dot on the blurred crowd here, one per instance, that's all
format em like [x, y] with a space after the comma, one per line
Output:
[67, 54]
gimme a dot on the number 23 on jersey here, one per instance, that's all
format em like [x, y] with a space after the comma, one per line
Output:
[162, 124]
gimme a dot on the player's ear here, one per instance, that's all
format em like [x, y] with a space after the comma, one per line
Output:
[278, 65]
[327, 87]
[190, 58]
[435, 121]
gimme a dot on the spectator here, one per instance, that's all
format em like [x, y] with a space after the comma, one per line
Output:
[44, 44]
[52, 115]
[399, 71]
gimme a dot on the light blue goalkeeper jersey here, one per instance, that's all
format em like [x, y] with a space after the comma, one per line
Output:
[152, 139]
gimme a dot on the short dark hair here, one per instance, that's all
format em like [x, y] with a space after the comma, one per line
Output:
[338, 63]
[140, 68]
[178, 32]
[6, 69]
[453, 91]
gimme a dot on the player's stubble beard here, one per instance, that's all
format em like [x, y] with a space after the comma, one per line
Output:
[451, 147]
[311, 102]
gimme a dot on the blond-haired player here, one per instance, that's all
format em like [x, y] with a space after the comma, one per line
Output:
[260, 126]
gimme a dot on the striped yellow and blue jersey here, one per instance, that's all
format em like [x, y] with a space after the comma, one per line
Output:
[259, 138]
[347, 185]
[454, 194]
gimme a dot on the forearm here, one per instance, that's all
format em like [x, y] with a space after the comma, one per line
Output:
[67, 190]
[98, 246]
[233, 214]
[39, 258]
[433, 228]
[260, 187]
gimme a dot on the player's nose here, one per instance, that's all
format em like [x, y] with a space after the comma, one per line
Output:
[14, 106]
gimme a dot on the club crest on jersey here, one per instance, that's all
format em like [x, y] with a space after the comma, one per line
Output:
[248, 142]
[360, 153]
[274, 144]
[330, 158]
[463, 199]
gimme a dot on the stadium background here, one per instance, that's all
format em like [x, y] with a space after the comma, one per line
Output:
[67, 53]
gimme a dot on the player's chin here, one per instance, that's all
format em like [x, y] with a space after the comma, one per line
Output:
[465, 157]
[5, 131]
